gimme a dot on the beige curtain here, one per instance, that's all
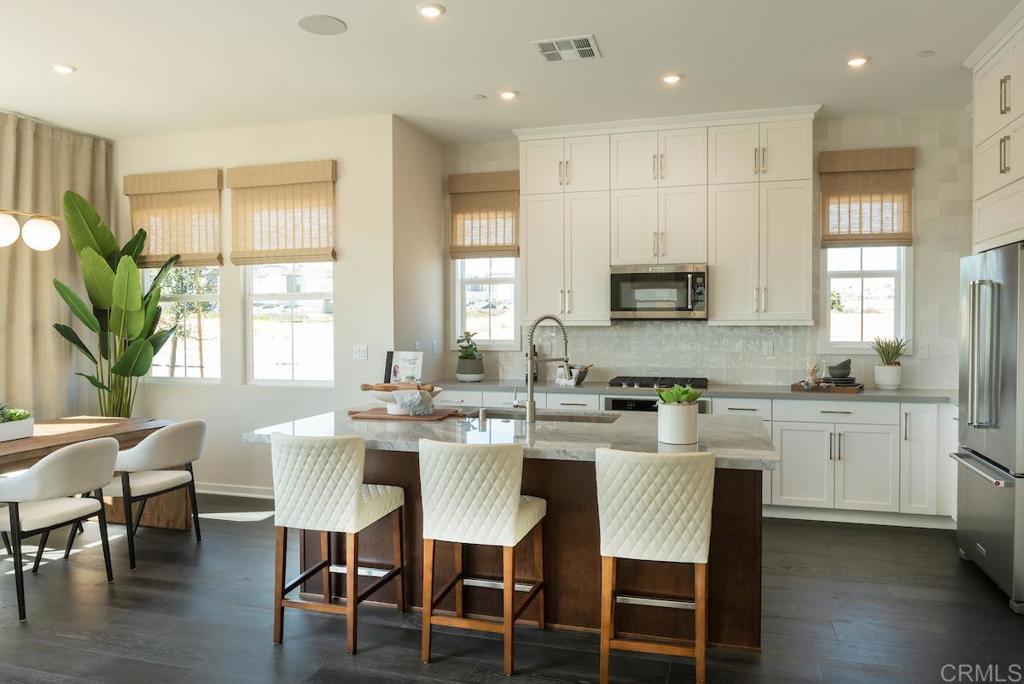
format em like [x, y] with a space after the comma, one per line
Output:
[485, 215]
[37, 164]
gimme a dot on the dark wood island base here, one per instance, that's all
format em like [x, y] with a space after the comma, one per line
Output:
[573, 556]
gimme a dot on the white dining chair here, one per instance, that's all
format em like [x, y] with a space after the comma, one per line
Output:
[160, 463]
[46, 497]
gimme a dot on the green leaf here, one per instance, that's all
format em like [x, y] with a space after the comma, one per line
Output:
[104, 338]
[679, 395]
[99, 278]
[133, 248]
[76, 341]
[152, 313]
[85, 226]
[127, 286]
[127, 324]
[135, 360]
[94, 381]
[77, 306]
[161, 274]
[159, 339]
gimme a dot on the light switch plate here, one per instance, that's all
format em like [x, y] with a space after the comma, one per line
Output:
[416, 345]
[360, 352]
[922, 351]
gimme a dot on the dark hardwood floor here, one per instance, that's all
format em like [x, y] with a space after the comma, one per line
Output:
[842, 604]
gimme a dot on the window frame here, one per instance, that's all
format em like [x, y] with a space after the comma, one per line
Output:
[171, 380]
[458, 310]
[247, 299]
[904, 275]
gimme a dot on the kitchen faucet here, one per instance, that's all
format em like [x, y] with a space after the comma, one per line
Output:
[531, 406]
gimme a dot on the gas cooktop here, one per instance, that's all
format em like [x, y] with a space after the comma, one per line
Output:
[655, 382]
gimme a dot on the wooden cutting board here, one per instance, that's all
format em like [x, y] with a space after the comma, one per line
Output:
[382, 414]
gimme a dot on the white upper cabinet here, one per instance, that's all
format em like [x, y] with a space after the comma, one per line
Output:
[541, 166]
[733, 153]
[543, 254]
[683, 225]
[786, 152]
[867, 459]
[733, 252]
[586, 163]
[919, 456]
[634, 227]
[682, 157]
[784, 237]
[586, 258]
[634, 160]
[990, 96]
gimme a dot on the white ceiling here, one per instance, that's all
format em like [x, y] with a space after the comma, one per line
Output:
[150, 67]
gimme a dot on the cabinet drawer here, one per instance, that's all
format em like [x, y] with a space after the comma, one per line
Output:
[457, 398]
[573, 402]
[875, 413]
[507, 399]
[762, 408]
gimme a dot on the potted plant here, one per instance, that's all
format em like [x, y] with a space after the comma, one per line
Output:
[471, 361]
[677, 415]
[14, 423]
[889, 350]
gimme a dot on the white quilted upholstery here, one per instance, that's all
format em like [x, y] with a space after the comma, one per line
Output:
[471, 494]
[318, 485]
[36, 515]
[148, 481]
[655, 506]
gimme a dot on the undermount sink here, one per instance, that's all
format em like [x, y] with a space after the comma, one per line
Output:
[520, 414]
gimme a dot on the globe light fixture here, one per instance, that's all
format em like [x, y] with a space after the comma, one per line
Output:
[41, 234]
[9, 230]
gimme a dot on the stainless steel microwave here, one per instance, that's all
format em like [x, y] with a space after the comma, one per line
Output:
[660, 291]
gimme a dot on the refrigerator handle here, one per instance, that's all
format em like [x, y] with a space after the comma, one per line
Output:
[995, 482]
[972, 355]
[985, 379]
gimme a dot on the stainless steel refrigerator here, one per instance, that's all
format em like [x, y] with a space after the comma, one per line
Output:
[990, 457]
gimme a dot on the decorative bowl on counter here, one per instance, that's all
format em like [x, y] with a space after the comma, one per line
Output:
[392, 404]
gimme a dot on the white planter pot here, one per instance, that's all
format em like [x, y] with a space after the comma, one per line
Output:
[677, 423]
[888, 377]
[16, 429]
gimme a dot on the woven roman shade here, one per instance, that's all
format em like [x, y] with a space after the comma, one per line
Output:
[180, 212]
[867, 197]
[485, 215]
[282, 213]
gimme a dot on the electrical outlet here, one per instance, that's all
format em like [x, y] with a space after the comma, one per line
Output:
[922, 351]
[433, 347]
[360, 352]
[416, 345]
[767, 349]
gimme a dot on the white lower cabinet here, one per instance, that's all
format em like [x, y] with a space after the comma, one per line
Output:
[919, 458]
[567, 401]
[806, 474]
[867, 466]
[456, 398]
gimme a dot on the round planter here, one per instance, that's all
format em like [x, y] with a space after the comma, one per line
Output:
[470, 370]
[888, 377]
[677, 423]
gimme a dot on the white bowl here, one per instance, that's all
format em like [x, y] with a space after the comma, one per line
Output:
[392, 406]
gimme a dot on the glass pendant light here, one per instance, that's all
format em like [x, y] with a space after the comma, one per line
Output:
[40, 234]
[9, 230]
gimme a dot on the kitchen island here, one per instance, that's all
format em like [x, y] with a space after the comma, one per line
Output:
[559, 455]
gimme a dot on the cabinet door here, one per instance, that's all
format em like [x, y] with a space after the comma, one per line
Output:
[683, 225]
[586, 264]
[989, 91]
[543, 249]
[732, 252]
[785, 240]
[989, 166]
[634, 160]
[867, 467]
[731, 153]
[683, 157]
[919, 457]
[786, 151]
[540, 166]
[806, 469]
[586, 163]
[634, 226]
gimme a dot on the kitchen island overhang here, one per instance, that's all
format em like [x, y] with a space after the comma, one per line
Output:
[558, 467]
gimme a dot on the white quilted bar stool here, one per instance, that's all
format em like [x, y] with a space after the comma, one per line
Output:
[45, 497]
[471, 495]
[654, 507]
[318, 485]
[160, 463]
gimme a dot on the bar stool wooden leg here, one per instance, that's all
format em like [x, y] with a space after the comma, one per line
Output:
[399, 557]
[508, 613]
[607, 614]
[459, 585]
[325, 574]
[280, 560]
[428, 596]
[538, 569]
[351, 587]
[700, 614]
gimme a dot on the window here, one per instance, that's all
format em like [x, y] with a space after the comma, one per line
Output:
[291, 322]
[485, 300]
[190, 299]
[868, 295]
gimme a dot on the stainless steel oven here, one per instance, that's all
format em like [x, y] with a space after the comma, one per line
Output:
[644, 403]
[659, 291]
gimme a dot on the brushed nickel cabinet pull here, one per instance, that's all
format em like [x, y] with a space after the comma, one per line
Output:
[906, 425]
[764, 290]
[662, 165]
[830, 411]
[764, 160]
[739, 408]
[1006, 95]
[654, 167]
[561, 173]
[830, 446]
[839, 446]
[1007, 150]
[755, 160]
[756, 290]
[1002, 161]
[561, 301]
[664, 243]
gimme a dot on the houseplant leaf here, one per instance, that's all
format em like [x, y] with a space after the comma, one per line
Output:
[133, 248]
[161, 274]
[94, 382]
[99, 278]
[135, 360]
[85, 226]
[159, 339]
[79, 308]
[128, 324]
[76, 341]
[152, 313]
[127, 286]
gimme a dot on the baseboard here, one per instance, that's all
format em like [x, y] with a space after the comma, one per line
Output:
[932, 522]
[235, 490]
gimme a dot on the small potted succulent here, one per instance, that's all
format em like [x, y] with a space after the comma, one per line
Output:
[471, 361]
[677, 415]
[889, 350]
[14, 423]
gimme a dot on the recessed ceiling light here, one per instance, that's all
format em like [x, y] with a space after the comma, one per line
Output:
[64, 69]
[508, 94]
[431, 10]
[857, 62]
[925, 53]
[480, 96]
[671, 79]
[322, 25]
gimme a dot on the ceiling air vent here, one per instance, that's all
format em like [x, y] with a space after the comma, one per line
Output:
[565, 49]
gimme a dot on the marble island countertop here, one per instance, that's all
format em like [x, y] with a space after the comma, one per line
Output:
[738, 442]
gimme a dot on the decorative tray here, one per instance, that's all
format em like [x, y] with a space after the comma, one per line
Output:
[826, 388]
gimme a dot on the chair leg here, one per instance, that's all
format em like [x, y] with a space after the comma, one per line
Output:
[71, 540]
[280, 565]
[398, 556]
[508, 576]
[45, 537]
[138, 516]
[195, 505]
[351, 588]
[129, 527]
[325, 575]
[458, 589]
[7, 543]
[104, 539]
[538, 569]
[607, 613]
[428, 597]
[700, 614]
[19, 573]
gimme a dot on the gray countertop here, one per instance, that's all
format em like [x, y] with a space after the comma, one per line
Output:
[740, 443]
[922, 396]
